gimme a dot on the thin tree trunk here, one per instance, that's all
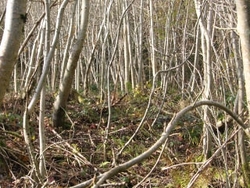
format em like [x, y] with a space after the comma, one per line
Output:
[243, 13]
[206, 51]
[49, 56]
[69, 41]
[153, 61]
[65, 86]
[30, 107]
[42, 144]
[239, 145]
[140, 36]
[126, 54]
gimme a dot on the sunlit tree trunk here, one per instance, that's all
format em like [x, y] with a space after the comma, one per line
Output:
[194, 77]
[42, 144]
[239, 105]
[126, 55]
[243, 14]
[131, 75]
[153, 61]
[77, 69]
[49, 57]
[206, 52]
[69, 41]
[65, 86]
[140, 43]
[38, 92]
[12, 36]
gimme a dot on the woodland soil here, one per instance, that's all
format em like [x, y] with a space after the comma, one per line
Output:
[76, 154]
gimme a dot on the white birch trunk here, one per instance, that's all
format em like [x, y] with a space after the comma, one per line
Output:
[153, 62]
[13, 31]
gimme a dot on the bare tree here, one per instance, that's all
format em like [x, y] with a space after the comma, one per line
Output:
[153, 60]
[206, 52]
[11, 40]
[65, 86]
[243, 14]
[135, 42]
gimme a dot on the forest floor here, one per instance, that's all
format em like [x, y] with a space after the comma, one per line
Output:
[79, 152]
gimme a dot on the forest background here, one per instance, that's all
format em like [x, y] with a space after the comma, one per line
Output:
[132, 93]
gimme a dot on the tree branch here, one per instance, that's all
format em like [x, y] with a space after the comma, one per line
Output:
[171, 125]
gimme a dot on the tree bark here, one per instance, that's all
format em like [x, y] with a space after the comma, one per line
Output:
[153, 60]
[65, 86]
[11, 40]
[243, 14]
[207, 65]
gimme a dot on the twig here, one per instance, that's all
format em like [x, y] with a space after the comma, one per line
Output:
[30, 147]
[73, 149]
[156, 163]
[181, 164]
[119, 100]
[206, 163]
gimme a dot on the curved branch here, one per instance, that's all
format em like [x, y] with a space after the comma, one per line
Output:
[208, 103]
[171, 125]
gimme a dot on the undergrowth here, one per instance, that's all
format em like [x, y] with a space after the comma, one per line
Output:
[83, 158]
